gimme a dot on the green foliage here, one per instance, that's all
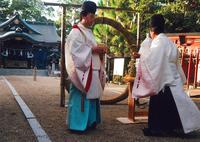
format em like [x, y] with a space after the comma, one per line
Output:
[180, 15]
[132, 69]
[32, 10]
[3, 9]
[117, 79]
[107, 34]
[72, 15]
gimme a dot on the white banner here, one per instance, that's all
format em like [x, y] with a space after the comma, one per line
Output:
[118, 66]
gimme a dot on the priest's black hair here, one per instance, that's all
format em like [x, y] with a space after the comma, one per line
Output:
[157, 23]
[88, 7]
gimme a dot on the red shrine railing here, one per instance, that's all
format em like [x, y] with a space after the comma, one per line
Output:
[189, 47]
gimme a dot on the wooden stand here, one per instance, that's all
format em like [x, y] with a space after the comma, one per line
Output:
[133, 115]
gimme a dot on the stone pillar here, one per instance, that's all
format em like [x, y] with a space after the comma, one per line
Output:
[53, 68]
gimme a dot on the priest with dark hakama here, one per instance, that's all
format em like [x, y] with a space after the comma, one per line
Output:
[160, 76]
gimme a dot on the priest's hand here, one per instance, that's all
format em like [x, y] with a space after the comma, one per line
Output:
[136, 55]
[100, 49]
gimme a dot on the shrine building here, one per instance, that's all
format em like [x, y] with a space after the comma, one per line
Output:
[25, 44]
[189, 47]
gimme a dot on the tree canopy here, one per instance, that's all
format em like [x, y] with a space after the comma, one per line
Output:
[181, 16]
[32, 10]
[72, 15]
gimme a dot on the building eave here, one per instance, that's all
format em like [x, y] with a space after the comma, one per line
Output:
[11, 20]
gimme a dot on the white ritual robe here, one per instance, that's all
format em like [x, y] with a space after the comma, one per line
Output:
[144, 49]
[79, 57]
[145, 46]
[141, 90]
[165, 70]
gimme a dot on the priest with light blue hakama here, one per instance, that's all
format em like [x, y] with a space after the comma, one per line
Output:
[86, 72]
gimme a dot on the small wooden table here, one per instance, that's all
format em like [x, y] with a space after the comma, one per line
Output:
[133, 115]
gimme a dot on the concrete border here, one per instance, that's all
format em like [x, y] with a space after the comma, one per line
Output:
[34, 124]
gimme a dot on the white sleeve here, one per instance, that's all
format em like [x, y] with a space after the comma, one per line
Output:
[145, 47]
[154, 63]
[81, 52]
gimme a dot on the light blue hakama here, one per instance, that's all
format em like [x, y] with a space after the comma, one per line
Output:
[78, 120]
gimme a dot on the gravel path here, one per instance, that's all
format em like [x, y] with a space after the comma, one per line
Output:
[42, 97]
[13, 125]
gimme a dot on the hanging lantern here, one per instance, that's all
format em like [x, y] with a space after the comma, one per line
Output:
[21, 53]
[5, 53]
[30, 55]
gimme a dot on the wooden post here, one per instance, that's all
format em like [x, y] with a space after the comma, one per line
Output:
[62, 78]
[34, 73]
[131, 102]
[196, 69]
[134, 116]
[189, 70]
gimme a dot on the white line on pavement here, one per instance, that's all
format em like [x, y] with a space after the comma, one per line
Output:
[35, 125]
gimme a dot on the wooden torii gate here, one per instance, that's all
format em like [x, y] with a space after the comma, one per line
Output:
[63, 36]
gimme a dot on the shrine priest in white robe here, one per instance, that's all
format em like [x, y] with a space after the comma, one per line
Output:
[86, 72]
[171, 111]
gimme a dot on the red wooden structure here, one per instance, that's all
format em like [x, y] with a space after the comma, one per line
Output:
[189, 46]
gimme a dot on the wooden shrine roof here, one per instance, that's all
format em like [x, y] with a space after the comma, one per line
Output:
[35, 32]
